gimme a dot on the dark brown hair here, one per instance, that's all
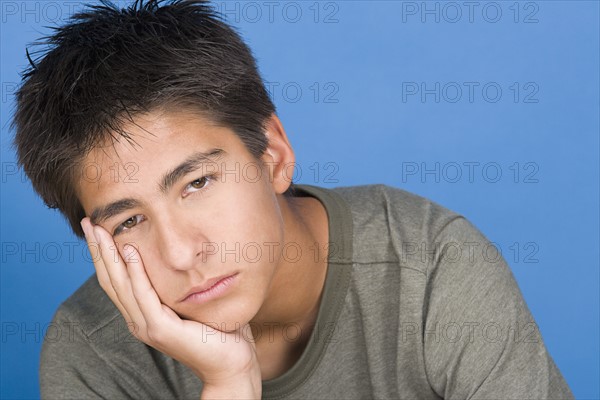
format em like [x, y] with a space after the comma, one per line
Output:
[106, 64]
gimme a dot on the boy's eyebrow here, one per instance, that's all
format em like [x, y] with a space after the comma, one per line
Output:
[101, 214]
[193, 162]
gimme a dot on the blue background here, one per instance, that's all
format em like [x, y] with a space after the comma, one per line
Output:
[341, 74]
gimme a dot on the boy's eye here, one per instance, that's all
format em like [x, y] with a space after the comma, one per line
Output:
[128, 224]
[199, 183]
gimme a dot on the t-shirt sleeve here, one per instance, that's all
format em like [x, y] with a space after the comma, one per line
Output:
[480, 340]
[70, 367]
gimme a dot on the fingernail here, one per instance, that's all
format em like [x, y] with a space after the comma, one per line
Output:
[83, 228]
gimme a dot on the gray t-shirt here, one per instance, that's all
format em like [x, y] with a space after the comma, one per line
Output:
[417, 304]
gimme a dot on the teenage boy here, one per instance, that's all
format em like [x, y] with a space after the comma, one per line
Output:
[234, 282]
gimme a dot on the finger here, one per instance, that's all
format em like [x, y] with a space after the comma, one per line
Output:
[119, 278]
[101, 272]
[147, 298]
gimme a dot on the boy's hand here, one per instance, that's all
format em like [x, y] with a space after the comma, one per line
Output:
[227, 368]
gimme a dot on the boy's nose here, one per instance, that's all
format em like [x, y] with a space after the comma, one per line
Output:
[179, 244]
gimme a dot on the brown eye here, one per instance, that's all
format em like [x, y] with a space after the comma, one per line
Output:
[130, 223]
[199, 186]
[199, 183]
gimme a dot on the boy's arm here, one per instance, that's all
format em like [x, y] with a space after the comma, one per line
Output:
[80, 361]
[480, 339]
[227, 366]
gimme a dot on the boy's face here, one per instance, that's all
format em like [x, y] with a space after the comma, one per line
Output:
[216, 218]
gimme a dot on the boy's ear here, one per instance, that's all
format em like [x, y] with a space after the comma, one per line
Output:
[279, 158]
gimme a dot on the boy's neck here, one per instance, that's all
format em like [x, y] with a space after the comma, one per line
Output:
[283, 325]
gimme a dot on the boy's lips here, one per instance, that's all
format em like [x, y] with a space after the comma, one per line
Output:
[206, 287]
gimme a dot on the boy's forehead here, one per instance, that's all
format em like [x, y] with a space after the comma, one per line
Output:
[154, 145]
[158, 125]
[156, 133]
